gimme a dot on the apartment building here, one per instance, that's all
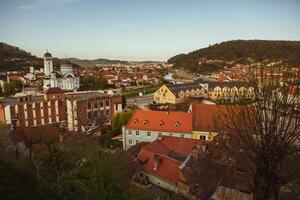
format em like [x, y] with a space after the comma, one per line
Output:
[54, 106]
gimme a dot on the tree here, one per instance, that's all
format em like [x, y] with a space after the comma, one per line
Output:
[260, 138]
[119, 120]
[12, 87]
[6, 145]
[108, 175]
[123, 101]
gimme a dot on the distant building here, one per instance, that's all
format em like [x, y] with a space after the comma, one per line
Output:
[230, 90]
[146, 126]
[64, 79]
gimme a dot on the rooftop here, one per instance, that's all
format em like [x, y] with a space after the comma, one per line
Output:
[169, 154]
[177, 122]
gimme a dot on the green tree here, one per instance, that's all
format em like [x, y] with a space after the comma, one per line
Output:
[108, 176]
[119, 120]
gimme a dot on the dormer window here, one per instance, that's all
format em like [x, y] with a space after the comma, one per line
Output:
[161, 123]
[177, 124]
[146, 122]
[135, 121]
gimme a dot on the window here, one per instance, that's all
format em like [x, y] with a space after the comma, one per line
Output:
[182, 135]
[107, 112]
[137, 133]
[137, 141]
[89, 105]
[145, 122]
[159, 134]
[107, 102]
[177, 124]
[95, 105]
[170, 134]
[202, 137]
[148, 134]
[130, 132]
[130, 141]
[101, 104]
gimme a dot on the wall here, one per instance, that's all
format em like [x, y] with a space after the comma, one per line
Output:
[142, 137]
[209, 135]
[164, 95]
[161, 183]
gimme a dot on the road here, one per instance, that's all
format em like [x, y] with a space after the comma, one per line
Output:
[140, 101]
[186, 75]
[193, 77]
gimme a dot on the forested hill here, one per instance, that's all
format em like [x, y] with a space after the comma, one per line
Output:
[258, 50]
[14, 58]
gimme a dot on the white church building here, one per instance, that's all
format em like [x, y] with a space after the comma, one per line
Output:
[65, 79]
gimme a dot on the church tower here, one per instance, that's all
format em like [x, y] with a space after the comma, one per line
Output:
[48, 64]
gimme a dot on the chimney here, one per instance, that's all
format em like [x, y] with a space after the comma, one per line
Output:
[156, 162]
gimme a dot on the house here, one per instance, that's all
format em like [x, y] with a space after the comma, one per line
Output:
[230, 90]
[160, 161]
[208, 119]
[206, 176]
[178, 93]
[204, 121]
[36, 139]
[146, 126]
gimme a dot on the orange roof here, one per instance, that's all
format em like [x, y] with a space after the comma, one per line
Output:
[171, 143]
[171, 153]
[177, 122]
[167, 170]
[54, 90]
[206, 117]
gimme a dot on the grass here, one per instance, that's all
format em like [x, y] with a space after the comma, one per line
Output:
[135, 92]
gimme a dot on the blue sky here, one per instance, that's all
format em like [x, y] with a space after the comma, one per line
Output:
[142, 29]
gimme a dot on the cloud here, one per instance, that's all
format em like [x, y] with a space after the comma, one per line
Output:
[33, 4]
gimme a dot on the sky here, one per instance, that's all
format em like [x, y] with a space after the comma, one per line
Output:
[141, 29]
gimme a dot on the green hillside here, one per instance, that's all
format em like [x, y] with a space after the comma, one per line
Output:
[241, 50]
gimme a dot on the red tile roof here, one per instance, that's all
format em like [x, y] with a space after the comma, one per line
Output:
[177, 122]
[167, 170]
[207, 117]
[164, 150]
[54, 90]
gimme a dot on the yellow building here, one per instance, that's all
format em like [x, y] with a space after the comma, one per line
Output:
[204, 135]
[178, 93]
[230, 90]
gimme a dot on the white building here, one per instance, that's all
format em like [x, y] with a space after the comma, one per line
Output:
[65, 79]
